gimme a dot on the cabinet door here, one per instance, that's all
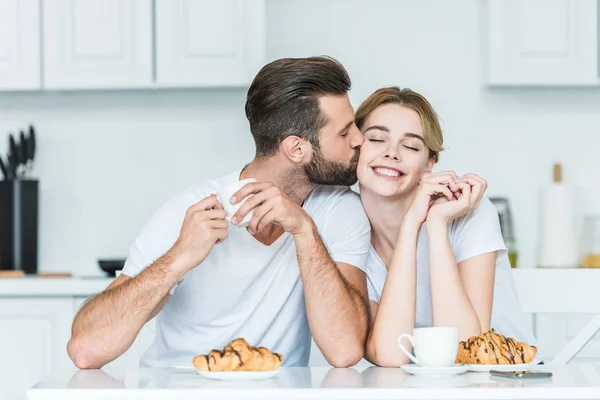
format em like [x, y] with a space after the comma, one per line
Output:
[20, 45]
[34, 333]
[542, 42]
[97, 44]
[209, 43]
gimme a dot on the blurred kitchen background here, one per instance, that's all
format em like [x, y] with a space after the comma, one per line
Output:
[134, 99]
[107, 158]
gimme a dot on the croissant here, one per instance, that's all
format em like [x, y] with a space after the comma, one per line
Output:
[494, 348]
[238, 355]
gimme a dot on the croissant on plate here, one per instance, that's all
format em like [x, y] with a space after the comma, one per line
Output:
[494, 348]
[238, 355]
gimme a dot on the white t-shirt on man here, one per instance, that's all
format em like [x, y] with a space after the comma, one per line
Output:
[244, 288]
[474, 234]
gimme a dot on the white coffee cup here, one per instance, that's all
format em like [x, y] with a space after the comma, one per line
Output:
[434, 347]
[224, 196]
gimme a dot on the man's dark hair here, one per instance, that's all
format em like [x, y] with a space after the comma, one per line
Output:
[283, 100]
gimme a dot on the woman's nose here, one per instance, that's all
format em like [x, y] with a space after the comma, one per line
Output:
[392, 155]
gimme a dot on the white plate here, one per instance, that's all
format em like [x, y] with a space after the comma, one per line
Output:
[499, 367]
[190, 366]
[238, 375]
[419, 370]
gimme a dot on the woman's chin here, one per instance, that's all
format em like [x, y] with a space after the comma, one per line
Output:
[381, 189]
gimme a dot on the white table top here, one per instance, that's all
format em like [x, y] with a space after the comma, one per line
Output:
[573, 381]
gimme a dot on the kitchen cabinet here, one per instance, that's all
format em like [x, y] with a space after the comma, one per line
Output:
[33, 337]
[120, 44]
[209, 43]
[35, 326]
[542, 42]
[20, 45]
[90, 44]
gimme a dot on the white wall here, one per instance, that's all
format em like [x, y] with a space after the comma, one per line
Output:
[107, 160]
[509, 136]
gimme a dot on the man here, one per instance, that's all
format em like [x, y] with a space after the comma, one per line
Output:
[298, 265]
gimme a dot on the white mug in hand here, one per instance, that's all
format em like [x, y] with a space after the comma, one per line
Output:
[224, 196]
[434, 347]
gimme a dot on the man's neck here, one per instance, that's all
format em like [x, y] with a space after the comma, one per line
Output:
[288, 179]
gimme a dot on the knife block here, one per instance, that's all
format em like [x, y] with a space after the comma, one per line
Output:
[19, 225]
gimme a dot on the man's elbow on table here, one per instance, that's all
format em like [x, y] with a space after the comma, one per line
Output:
[83, 357]
[345, 358]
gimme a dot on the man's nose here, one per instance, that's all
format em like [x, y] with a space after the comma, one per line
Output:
[357, 137]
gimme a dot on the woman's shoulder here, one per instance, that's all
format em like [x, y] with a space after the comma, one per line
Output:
[485, 214]
[478, 232]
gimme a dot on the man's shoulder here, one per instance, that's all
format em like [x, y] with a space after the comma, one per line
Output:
[335, 194]
[336, 202]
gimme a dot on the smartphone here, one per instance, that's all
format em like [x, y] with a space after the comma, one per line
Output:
[522, 374]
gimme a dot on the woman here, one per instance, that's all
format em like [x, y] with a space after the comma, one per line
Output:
[437, 255]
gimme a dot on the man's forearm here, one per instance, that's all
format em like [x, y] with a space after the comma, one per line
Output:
[337, 313]
[107, 325]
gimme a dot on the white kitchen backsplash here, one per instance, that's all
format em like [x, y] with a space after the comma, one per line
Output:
[107, 160]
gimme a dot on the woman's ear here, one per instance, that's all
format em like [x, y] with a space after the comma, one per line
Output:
[295, 148]
[430, 164]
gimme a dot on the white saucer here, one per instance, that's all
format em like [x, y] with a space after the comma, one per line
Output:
[499, 367]
[238, 375]
[416, 369]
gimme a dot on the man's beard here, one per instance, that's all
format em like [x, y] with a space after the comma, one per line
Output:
[321, 171]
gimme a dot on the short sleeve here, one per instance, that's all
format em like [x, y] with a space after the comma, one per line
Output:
[158, 234]
[376, 275]
[374, 295]
[478, 232]
[350, 231]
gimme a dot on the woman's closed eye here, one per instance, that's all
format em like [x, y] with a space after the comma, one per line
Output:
[374, 140]
[411, 148]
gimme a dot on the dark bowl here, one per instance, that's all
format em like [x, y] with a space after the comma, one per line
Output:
[111, 266]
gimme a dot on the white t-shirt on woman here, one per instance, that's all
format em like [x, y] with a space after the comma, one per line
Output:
[471, 235]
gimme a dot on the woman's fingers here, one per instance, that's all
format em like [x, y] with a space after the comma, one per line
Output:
[436, 189]
[449, 178]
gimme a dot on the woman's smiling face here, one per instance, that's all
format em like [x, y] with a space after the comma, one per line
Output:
[394, 156]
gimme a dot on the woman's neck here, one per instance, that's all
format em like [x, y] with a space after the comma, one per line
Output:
[386, 216]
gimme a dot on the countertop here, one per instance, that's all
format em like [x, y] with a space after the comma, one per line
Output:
[52, 287]
[572, 381]
[578, 285]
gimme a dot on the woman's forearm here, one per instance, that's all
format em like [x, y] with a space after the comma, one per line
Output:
[450, 302]
[396, 311]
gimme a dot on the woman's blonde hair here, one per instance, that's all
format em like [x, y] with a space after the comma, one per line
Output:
[432, 132]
